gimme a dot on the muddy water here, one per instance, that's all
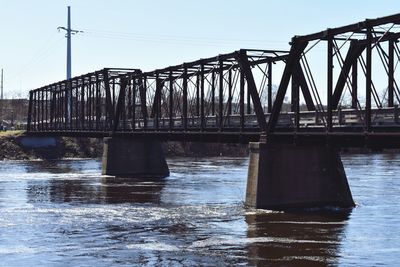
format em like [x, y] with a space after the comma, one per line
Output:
[63, 213]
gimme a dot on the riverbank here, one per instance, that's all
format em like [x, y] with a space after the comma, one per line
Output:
[65, 147]
[11, 148]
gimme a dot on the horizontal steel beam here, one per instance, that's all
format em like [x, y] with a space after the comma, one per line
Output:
[356, 27]
[370, 140]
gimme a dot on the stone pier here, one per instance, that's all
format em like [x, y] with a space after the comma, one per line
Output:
[125, 157]
[284, 177]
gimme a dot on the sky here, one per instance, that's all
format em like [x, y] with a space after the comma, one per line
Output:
[155, 34]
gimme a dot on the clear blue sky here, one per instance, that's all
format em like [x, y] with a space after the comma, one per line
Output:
[154, 34]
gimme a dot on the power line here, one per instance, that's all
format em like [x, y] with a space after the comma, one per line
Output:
[176, 39]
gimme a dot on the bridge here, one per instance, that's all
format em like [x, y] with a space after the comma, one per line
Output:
[335, 88]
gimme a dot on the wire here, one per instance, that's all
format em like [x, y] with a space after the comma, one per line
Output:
[173, 39]
[39, 55]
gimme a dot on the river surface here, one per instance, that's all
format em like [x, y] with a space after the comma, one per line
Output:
[63, 213]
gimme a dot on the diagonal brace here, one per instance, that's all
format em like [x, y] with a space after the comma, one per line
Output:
[251, 85]
[293, 60]
[355, 50]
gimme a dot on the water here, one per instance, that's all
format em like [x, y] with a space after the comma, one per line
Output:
[64, 213]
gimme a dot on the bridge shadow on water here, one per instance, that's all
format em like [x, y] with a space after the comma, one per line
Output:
[296, 238]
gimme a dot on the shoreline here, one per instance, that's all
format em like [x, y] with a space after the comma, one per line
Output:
[11, 148]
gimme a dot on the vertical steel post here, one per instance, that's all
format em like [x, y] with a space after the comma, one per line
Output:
[143, 104]
[98, 102]
[59, 106]
[391, 74]
[241, 105]
[230, 92]
[76, 103]
[248, 101]
[113, 94]
[368, 82]
[329, 83]
[132, 99]
[202, 115]
[213, 93]
[37, 110]
[66, 104]
[269, 108]
[89, 103]
[185, 96]
[171, 101]
[52, 106]
[296, 102]
[354, 84]
[157, 98]
[221, 94]
[93, 102]
[34, 110]
[57, 113]
[130, 88]
[123, 105]
[47, 107]
[28, 125]
[197, 95]
[42, 109]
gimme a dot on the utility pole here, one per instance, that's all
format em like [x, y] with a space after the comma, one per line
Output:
[69, 44]
[68, 34]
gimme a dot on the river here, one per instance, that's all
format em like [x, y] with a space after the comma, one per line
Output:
[63, 213]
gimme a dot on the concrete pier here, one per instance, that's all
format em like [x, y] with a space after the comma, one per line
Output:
[285, 177]
[132, 158]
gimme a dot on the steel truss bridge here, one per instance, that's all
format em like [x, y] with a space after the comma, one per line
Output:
[338, 86]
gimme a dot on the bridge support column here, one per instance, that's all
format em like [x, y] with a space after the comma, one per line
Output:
[131, 158]
[286, 177]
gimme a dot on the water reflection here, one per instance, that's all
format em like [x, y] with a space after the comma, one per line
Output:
[295, 239]
[89, 188]
[131, 190]
[49, 166]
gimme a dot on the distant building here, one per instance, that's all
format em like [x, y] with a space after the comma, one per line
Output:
[14, 112]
